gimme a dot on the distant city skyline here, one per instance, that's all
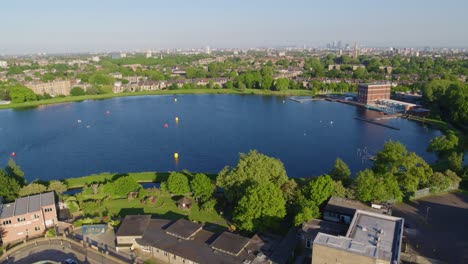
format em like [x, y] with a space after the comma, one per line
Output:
[54, 26]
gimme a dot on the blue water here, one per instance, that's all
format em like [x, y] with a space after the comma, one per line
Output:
[127, 134]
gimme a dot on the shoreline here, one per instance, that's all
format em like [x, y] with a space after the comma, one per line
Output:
[68, 99]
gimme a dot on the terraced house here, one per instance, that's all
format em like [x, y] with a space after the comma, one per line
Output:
[27, 217]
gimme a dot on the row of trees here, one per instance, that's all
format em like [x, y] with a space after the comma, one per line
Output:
[13, 183]
[262, 196]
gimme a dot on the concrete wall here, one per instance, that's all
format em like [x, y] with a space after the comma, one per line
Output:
[327, 255]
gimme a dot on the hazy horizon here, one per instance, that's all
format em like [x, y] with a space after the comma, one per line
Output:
[86, 26]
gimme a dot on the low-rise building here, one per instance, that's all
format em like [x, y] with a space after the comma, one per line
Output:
[27, 217]
[342, 210]
[371, 239]
[183, 241]
[3, 64]
[54, 88]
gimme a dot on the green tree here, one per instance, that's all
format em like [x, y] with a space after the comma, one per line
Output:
[122, 186]
[202, 188]
[20, 94]
[14, 170]
[57, 186]
[411, 171]
[261, 208]
[9, 187]
[252, 168]
[340, 171]
[442, 145]
[320, 189]
[76, 91]
[32, 188]
[307, 210]
[282, 84]
[178, 183]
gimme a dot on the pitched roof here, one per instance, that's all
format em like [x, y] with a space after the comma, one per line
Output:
[133, 225]
[183, 228]
[28, 204]
[230, 243]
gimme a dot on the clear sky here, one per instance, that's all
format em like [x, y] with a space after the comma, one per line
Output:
[102, 25]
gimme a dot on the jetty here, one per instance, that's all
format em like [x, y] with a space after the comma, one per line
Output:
[376, 123]
[302, 100]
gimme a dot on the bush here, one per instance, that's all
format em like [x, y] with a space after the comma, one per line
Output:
[76, 91]
[50, 232]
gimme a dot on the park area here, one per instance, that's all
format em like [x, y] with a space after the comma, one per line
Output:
[435, 226]
[110, 197]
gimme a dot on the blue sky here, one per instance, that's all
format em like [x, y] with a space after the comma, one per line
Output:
[102, 25]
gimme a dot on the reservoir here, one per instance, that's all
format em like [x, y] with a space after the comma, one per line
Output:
[141, 134]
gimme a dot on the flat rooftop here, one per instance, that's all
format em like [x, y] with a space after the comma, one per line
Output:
[395, 102]
[370, 234]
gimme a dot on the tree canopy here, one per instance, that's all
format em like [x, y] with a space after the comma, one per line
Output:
[261, 208]
[178, 183]
[9, 187]
[32, 188]
[340, 171]
[121, 186]
[252, 168]
[57, 186]
[202, 188]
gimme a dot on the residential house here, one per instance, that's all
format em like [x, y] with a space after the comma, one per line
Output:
[27, 217]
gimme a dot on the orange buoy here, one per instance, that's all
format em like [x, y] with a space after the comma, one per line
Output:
[166, 125]
[13, 154]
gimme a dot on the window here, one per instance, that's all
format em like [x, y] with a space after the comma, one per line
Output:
[34, 216]
[165, 253]
[37, 228]
[309, 243]
[48, 210]
[21, 219]
[7, 222]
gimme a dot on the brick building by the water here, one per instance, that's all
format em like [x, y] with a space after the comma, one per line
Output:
[369, 93]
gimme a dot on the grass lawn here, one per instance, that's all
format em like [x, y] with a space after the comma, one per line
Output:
[67, 99]
[148, 176]
[163, 207]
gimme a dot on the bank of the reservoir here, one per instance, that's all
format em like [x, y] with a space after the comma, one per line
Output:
[59, 100]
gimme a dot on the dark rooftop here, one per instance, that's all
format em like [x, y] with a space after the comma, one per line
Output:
[198, 249]
[347, 206]
[230, 243]
[27, 204]
[183, 228]
[133, 225]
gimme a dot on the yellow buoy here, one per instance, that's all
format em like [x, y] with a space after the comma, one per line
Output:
[175, 100]
[176, 155]
[177, 119]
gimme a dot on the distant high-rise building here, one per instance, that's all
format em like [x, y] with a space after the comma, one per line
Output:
[339, 44]
[149, 54]
[208, 50]
[355, 50]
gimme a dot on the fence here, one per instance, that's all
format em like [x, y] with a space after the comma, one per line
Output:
[427, 191]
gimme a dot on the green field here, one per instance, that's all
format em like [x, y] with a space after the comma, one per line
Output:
[67, 99]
